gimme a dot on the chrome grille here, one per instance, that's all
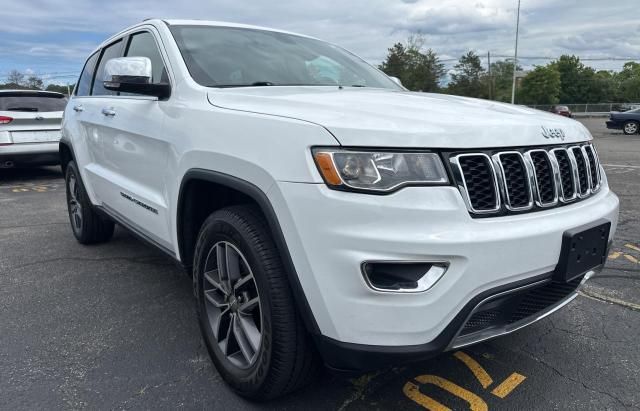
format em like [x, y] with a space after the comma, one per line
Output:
[480, 186]
[568, 185]
[546, 177]
[523, 180]
[583, 171]
[593, 166]
[515, 180]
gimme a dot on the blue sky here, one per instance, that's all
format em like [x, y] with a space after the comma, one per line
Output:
[53, 37]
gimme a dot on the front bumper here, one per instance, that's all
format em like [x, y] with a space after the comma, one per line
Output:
[330, 234]
[614, 125]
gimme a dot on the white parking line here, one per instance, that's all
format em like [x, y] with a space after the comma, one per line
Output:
[620, 166]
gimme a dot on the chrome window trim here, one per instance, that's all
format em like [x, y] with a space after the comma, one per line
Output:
[503, 181]
[555, 174]
[463, 187]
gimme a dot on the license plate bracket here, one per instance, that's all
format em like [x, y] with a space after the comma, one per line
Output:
[583, 248]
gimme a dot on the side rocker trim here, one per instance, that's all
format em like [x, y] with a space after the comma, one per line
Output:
[263, 202]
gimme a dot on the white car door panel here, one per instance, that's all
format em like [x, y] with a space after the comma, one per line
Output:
[133, 150]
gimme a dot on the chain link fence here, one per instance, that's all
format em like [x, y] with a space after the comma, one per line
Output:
[591, 108]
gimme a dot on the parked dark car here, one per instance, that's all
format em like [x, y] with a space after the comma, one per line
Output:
[562, 110]
[628, 121]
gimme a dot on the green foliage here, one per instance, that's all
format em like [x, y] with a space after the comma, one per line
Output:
[57, 88]
[578, 82]
[502, 78]
[417, 69]
[468, 78]
[18, 81]
[541, 86]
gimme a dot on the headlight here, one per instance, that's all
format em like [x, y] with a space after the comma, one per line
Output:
[378, 171]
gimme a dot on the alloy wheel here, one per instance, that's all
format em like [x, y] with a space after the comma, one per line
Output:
[75, 208]
[232, 304]
[631, 128]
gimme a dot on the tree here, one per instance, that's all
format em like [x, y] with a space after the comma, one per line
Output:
[417, 69]
[395, 63]
[15, 77]
[59, 88]
[578, 82]
[540, 86]
[502, 77]
[627, 83]
[34, 82]
[468, 77]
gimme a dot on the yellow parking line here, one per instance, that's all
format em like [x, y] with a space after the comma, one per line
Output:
[631, 246]
[631, 258]
[412, 391]
[614, 255]
[508, 385]
[475, 368]
[475, 403]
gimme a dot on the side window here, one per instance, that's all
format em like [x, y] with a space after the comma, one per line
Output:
[143, 45]
[84, 83]
[109, 52]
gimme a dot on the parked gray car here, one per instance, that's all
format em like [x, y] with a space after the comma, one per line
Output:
[30, 127]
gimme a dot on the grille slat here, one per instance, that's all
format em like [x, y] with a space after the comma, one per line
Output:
[566, 174]
[479, 180]
[516, 180]
[510, 181]
[594, 167]
[583, 177]
[545, 180]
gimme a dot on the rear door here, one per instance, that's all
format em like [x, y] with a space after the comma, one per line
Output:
[30, 117]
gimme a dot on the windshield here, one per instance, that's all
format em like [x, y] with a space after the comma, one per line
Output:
[16, 102]
[238, 57]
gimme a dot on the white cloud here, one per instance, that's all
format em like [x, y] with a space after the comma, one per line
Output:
[589, 28]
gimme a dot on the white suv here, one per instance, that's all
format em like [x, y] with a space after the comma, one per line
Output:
[325, 212]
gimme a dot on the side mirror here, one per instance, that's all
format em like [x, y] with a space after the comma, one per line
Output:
[396, 80]
[133, 75]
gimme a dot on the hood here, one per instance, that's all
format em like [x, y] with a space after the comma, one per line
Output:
[388, 118]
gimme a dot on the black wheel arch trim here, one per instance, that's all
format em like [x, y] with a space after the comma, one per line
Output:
[259, 196]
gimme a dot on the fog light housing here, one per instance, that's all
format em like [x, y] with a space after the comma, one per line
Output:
[403, 277]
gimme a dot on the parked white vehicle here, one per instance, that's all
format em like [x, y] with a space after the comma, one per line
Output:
[30, 127]
[325, 212]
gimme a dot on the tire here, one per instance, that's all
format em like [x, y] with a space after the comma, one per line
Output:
[630, 127]
[280, 357]
[88, 226]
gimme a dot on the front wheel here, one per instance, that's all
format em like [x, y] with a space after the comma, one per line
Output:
[246, 309]
[88, 226]
[630, 127]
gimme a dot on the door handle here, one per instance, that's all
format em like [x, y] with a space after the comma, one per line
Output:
[109, 112]
[78, 108]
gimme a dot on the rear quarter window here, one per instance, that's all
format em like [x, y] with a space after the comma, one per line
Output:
[32, 103]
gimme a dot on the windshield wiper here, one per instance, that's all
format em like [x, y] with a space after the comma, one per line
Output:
[358, 85]
[255, 84]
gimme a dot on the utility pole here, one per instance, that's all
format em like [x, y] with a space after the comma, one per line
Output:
[515, 58]
[490, 78]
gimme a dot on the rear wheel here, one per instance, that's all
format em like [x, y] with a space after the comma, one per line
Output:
[88, 226]
[246, 309]
[630, 127]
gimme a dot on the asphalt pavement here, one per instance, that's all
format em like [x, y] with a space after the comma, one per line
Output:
[113, 326]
